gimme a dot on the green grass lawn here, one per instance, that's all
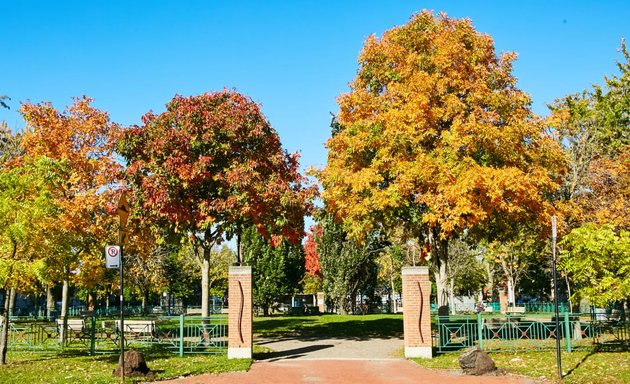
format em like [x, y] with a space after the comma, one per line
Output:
[580, 367]
[29, 367]
[330, 326]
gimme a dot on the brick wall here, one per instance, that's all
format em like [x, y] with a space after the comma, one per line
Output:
[416, 311]
[240, 312]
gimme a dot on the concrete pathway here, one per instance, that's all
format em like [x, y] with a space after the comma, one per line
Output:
[331, 348]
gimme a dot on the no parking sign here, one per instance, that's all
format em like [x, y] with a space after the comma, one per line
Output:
[112, 256]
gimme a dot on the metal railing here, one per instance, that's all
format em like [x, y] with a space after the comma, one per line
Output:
[181, 334]
[527, 332]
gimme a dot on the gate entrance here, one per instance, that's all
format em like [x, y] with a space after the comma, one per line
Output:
[416, 323]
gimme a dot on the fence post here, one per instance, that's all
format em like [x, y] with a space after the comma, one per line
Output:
[181, 335]
[567, 331]
[93, 336]
[480, 330]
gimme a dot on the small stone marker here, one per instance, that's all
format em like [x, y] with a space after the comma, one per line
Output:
[476, 362]
[134, 365]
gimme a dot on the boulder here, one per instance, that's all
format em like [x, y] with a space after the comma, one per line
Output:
[476, 362]
[135, 365]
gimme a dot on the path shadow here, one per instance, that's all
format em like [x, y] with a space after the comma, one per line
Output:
[290, 353]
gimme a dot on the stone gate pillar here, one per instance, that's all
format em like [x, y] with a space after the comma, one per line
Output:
[240, 313]
[416, 311]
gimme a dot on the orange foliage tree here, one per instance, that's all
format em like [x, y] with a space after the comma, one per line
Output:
[435, 136]
[80, 137]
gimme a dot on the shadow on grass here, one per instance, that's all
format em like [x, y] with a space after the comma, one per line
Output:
[27, 357]
[603, 347]
[347, 327]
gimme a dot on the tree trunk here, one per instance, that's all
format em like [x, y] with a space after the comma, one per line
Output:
[566, 279]
[342, 308]
[64, 310]
[205, 288]
[4, 337]
[12, 297]
[90, 302]
[451, 295]
[490, 282]
[511, 289]
[50, 302]
[144, 302]
[439, 249]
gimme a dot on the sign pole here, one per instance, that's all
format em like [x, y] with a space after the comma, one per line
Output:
[555, 296]
[123, 213]
[122, 321]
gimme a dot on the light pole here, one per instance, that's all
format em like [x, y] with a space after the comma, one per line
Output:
[555, 295]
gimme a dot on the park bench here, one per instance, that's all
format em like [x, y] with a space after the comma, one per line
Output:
[76, 326]
[138, 329]
[193, 311]
[515, 310]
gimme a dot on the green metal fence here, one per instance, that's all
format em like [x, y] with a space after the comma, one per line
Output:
[526, 332]
[181, 334]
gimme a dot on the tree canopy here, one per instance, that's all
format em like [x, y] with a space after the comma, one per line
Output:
[434, 135]
[209, 166]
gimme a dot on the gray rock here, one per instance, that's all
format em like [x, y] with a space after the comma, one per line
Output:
[476, 362]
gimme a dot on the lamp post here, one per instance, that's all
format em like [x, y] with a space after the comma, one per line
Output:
[555, 295]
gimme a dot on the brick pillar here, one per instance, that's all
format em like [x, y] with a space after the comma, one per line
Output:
[240, 313]
[321, 303]
[503, 299]
[416, 311]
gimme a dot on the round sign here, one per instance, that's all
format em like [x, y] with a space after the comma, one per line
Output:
[112, 251]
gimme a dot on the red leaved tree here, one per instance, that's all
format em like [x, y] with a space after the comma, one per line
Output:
[208, 166]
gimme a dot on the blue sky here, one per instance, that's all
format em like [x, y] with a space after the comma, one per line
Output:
[294, 58]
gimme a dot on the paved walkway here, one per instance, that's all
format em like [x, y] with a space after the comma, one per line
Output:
[332, 348]
[340, 361]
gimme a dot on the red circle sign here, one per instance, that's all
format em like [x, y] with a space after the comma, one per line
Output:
[112, 252]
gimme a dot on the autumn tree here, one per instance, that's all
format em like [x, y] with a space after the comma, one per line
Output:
[28, 218]
[593, 126]
[145, 262]
[434, 135]
[211, 165]
[312, 281]
[10, 146]
[80, 137]
[278, 267]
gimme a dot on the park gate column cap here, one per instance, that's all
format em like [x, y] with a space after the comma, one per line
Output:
[240, 270]
[415, 270]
